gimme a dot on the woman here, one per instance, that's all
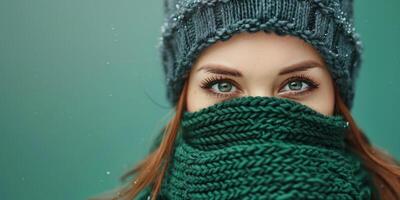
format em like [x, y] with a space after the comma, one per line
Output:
[262, 91]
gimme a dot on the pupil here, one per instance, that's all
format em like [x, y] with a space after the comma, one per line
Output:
[295, 85]
[224, 87]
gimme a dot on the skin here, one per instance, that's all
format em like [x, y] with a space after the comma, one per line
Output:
[260, 58]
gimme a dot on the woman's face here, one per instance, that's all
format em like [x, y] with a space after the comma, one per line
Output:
[260, 64]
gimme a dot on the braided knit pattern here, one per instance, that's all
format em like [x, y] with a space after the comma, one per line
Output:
[263, 148]
[192, 25]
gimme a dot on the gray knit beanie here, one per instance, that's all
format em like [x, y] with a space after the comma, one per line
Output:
[192, 25]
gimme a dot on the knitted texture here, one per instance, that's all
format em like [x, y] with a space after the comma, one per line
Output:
[192, 25]
[263, 148]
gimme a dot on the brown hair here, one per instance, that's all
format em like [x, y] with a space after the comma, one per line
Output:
[384, 169]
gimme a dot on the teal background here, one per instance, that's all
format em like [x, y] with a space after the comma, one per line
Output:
[82, 94]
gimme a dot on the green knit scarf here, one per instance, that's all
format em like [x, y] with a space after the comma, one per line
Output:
[257, 147]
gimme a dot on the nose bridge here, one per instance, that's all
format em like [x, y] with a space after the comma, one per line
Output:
[260, 79]
[262, 90]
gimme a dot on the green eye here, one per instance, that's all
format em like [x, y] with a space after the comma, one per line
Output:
[222, 86]
[297, 85]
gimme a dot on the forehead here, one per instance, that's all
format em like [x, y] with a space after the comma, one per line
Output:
[258, 51]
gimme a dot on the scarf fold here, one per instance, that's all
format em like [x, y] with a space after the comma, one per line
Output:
[257, 147]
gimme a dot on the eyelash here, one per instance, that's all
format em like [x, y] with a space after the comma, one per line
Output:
[210, 81]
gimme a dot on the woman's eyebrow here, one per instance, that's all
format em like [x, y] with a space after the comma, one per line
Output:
[220, 69]
[301, 66]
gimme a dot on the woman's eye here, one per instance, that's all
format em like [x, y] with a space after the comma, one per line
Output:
[296, 86]
[223, 87]
[220, 86]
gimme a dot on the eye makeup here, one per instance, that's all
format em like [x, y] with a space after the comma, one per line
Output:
[208, 83]
[312, 85]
